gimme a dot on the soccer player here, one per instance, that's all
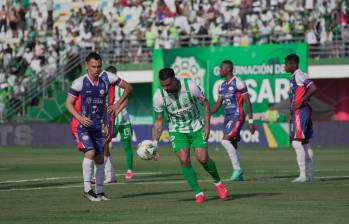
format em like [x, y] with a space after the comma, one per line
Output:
[179, 99]
[233, 93]
[301, 89]
[122, 126]
[87, 103]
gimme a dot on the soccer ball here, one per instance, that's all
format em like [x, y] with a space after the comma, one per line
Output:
[146, 150]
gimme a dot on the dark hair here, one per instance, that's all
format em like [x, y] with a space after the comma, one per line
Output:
[166, 73]
[93, 55]
[293, 58]
[270, 105]
[112, 69]
[229, 62]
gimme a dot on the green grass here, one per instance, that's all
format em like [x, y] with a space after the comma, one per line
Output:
[161, 196]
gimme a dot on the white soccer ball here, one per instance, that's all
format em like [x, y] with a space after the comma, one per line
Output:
[146, 150]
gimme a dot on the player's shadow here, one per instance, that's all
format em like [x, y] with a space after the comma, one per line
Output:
[283, 177]
[332, 178]
[235, 197]
[168, 176]
[153, 193]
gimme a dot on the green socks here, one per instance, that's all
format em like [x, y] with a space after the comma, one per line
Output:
[190, 176]
[211, 168]
[128, 154]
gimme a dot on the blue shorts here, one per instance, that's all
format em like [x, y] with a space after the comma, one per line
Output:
[90, 140]
[232, 128]
[301, 126]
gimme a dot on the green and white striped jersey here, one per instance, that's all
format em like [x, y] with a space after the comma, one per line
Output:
[122, 118]
[181, 107]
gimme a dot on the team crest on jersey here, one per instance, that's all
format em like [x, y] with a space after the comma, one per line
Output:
[101, 92]
[186, 102]
[231, 88]
[85, 137]
[189, 68]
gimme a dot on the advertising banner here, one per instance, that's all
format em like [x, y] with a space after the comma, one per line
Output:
[262, 68]
[326, 134]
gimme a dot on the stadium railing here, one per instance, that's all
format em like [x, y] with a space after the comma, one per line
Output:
[40, 88]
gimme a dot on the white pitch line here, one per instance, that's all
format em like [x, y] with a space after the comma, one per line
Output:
[62, 178]
[141, 183]
[80, 185]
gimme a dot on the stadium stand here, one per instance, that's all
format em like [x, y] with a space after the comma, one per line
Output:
[38, 43]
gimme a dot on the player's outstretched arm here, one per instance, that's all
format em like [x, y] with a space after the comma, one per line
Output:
[217, 105]
[69, 104]
[247, 101]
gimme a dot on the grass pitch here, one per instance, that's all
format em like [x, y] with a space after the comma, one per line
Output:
[44, 185]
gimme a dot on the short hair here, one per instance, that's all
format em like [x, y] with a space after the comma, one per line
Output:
[229, 62]
[112, 69]
[293, 58]
[166, 73]
[270, 105]
[93, 55]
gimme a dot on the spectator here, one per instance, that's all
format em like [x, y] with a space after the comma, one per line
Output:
[271, 115]
[3, 19]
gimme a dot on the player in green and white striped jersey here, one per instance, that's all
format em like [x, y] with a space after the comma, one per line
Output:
[122, 125]
[179, 98]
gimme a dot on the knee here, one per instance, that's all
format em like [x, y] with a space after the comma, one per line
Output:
[185, 161]
[203, 161]
[99, 159]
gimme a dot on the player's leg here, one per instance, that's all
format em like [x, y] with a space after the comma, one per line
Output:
[85, 145]
[98, 141]
[297, 136]
[126, 138]
[201, 151]
[180, 145]
[308, 127]
[109, 170]
[229, 142]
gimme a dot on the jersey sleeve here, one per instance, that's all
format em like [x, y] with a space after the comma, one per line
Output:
[158, 103]
[195, 89]
[302, 79]
[114, 78]
[76, 87]
[220, 90]
[241, 86]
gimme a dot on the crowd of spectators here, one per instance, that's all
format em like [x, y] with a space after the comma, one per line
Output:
[34, 40]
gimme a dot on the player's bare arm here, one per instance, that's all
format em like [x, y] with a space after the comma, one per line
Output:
[207, 115]
[217, 105]
[122, 106]
[69, 104]
[127, 90]
[247, 101]
[311, 90]
[105, 122]
[157, 130]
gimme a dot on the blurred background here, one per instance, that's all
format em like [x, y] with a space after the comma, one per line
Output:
[43, 45]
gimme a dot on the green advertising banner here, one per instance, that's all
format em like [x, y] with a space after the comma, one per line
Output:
[262, 68]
